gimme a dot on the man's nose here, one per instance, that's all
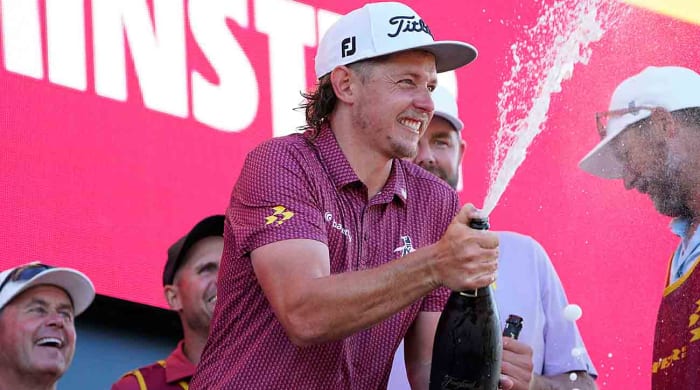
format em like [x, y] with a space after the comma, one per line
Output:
[424, 101]
[56, 320]
[424, 156]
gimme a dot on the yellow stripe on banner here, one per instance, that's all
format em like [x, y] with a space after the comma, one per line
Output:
[688, 10]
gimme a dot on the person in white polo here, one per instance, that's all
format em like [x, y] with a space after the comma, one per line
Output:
[38, 305]
[527, 285]
[650, 139]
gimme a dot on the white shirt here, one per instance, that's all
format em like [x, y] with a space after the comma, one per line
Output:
[528, 286]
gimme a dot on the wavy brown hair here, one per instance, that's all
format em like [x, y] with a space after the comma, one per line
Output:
[320, 103]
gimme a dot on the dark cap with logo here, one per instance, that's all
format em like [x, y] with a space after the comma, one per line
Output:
[210, 226]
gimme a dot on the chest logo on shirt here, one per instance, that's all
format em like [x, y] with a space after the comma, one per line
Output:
[279, 216]
[336, 225]
[407, 246]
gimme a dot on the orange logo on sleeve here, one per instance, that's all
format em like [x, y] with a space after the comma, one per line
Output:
[279, 215]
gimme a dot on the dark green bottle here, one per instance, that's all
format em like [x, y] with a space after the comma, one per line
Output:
[468, 343]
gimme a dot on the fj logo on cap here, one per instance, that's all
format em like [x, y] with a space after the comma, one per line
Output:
[347, 46]
[408, 24]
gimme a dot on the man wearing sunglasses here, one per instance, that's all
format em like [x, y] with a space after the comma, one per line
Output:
[651, 140]
[38, 305]
[189, 284]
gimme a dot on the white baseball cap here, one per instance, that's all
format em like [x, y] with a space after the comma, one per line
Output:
[15, 281]
[446, 107]
[378, 29]
[669, 87]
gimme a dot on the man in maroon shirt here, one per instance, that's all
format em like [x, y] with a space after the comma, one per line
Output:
[189, 283]
[650, 139]
[334, 247]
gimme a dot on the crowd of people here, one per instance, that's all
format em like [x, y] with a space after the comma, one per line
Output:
[315, 276]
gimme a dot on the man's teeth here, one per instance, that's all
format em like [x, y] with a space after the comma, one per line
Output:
[50, 342]
[413, 124]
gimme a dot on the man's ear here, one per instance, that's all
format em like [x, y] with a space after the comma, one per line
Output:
[666, 122]
[342, 79]
[462, 148]
[173, 297]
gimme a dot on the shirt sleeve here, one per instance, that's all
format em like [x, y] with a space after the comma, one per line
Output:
[435, 301]
[274, 199]
[561, 335]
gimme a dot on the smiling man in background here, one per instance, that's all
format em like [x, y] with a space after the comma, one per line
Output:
[38, 305]
[189, 284]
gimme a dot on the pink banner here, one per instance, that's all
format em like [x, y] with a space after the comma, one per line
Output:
[125, 122]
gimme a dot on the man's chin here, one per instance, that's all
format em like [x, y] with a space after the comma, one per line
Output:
[55, 368]
[669, 207]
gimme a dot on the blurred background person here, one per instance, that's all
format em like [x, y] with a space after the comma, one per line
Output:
[527, 284]
[189, 285]
[38, 305]
[651, 141]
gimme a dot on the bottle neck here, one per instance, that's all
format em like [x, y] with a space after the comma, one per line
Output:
[479, 292]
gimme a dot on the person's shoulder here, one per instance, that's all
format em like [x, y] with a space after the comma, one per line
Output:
[277, 144]
[516, 238]
[288, 150]
[513, 242]
[129, 381]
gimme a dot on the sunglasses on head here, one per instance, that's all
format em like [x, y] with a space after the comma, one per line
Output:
[25, 273]
[602, 118]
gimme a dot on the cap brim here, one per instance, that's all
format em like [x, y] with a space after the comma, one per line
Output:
[75, 283]
[601, 161]
[450, 55]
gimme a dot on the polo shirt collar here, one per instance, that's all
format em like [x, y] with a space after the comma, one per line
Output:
[177, 366]
[340, 171]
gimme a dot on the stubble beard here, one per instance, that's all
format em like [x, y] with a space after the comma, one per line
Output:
[367, 128]
[673, 199]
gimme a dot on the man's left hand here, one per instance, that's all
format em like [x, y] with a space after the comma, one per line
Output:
[517, 363]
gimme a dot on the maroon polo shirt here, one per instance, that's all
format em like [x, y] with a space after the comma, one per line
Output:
[300, 187]
[173, 373]
[676, 363]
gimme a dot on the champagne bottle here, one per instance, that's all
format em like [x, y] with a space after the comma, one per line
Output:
[468, 343]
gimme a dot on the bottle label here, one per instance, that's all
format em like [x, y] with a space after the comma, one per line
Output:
[451, 383]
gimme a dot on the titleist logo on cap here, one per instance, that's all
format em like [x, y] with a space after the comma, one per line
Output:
[408, 24]
[378, 29]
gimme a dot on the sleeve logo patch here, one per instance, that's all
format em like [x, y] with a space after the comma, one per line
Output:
[279, 215]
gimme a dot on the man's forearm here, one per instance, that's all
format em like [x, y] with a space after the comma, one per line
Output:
[335, 306]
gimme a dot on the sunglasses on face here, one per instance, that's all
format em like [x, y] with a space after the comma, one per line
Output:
[25, 273]
[602, 118]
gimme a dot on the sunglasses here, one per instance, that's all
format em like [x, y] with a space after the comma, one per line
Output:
[602, 118]
[25, 273]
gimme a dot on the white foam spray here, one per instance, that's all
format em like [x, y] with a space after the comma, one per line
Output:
[559, 40]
